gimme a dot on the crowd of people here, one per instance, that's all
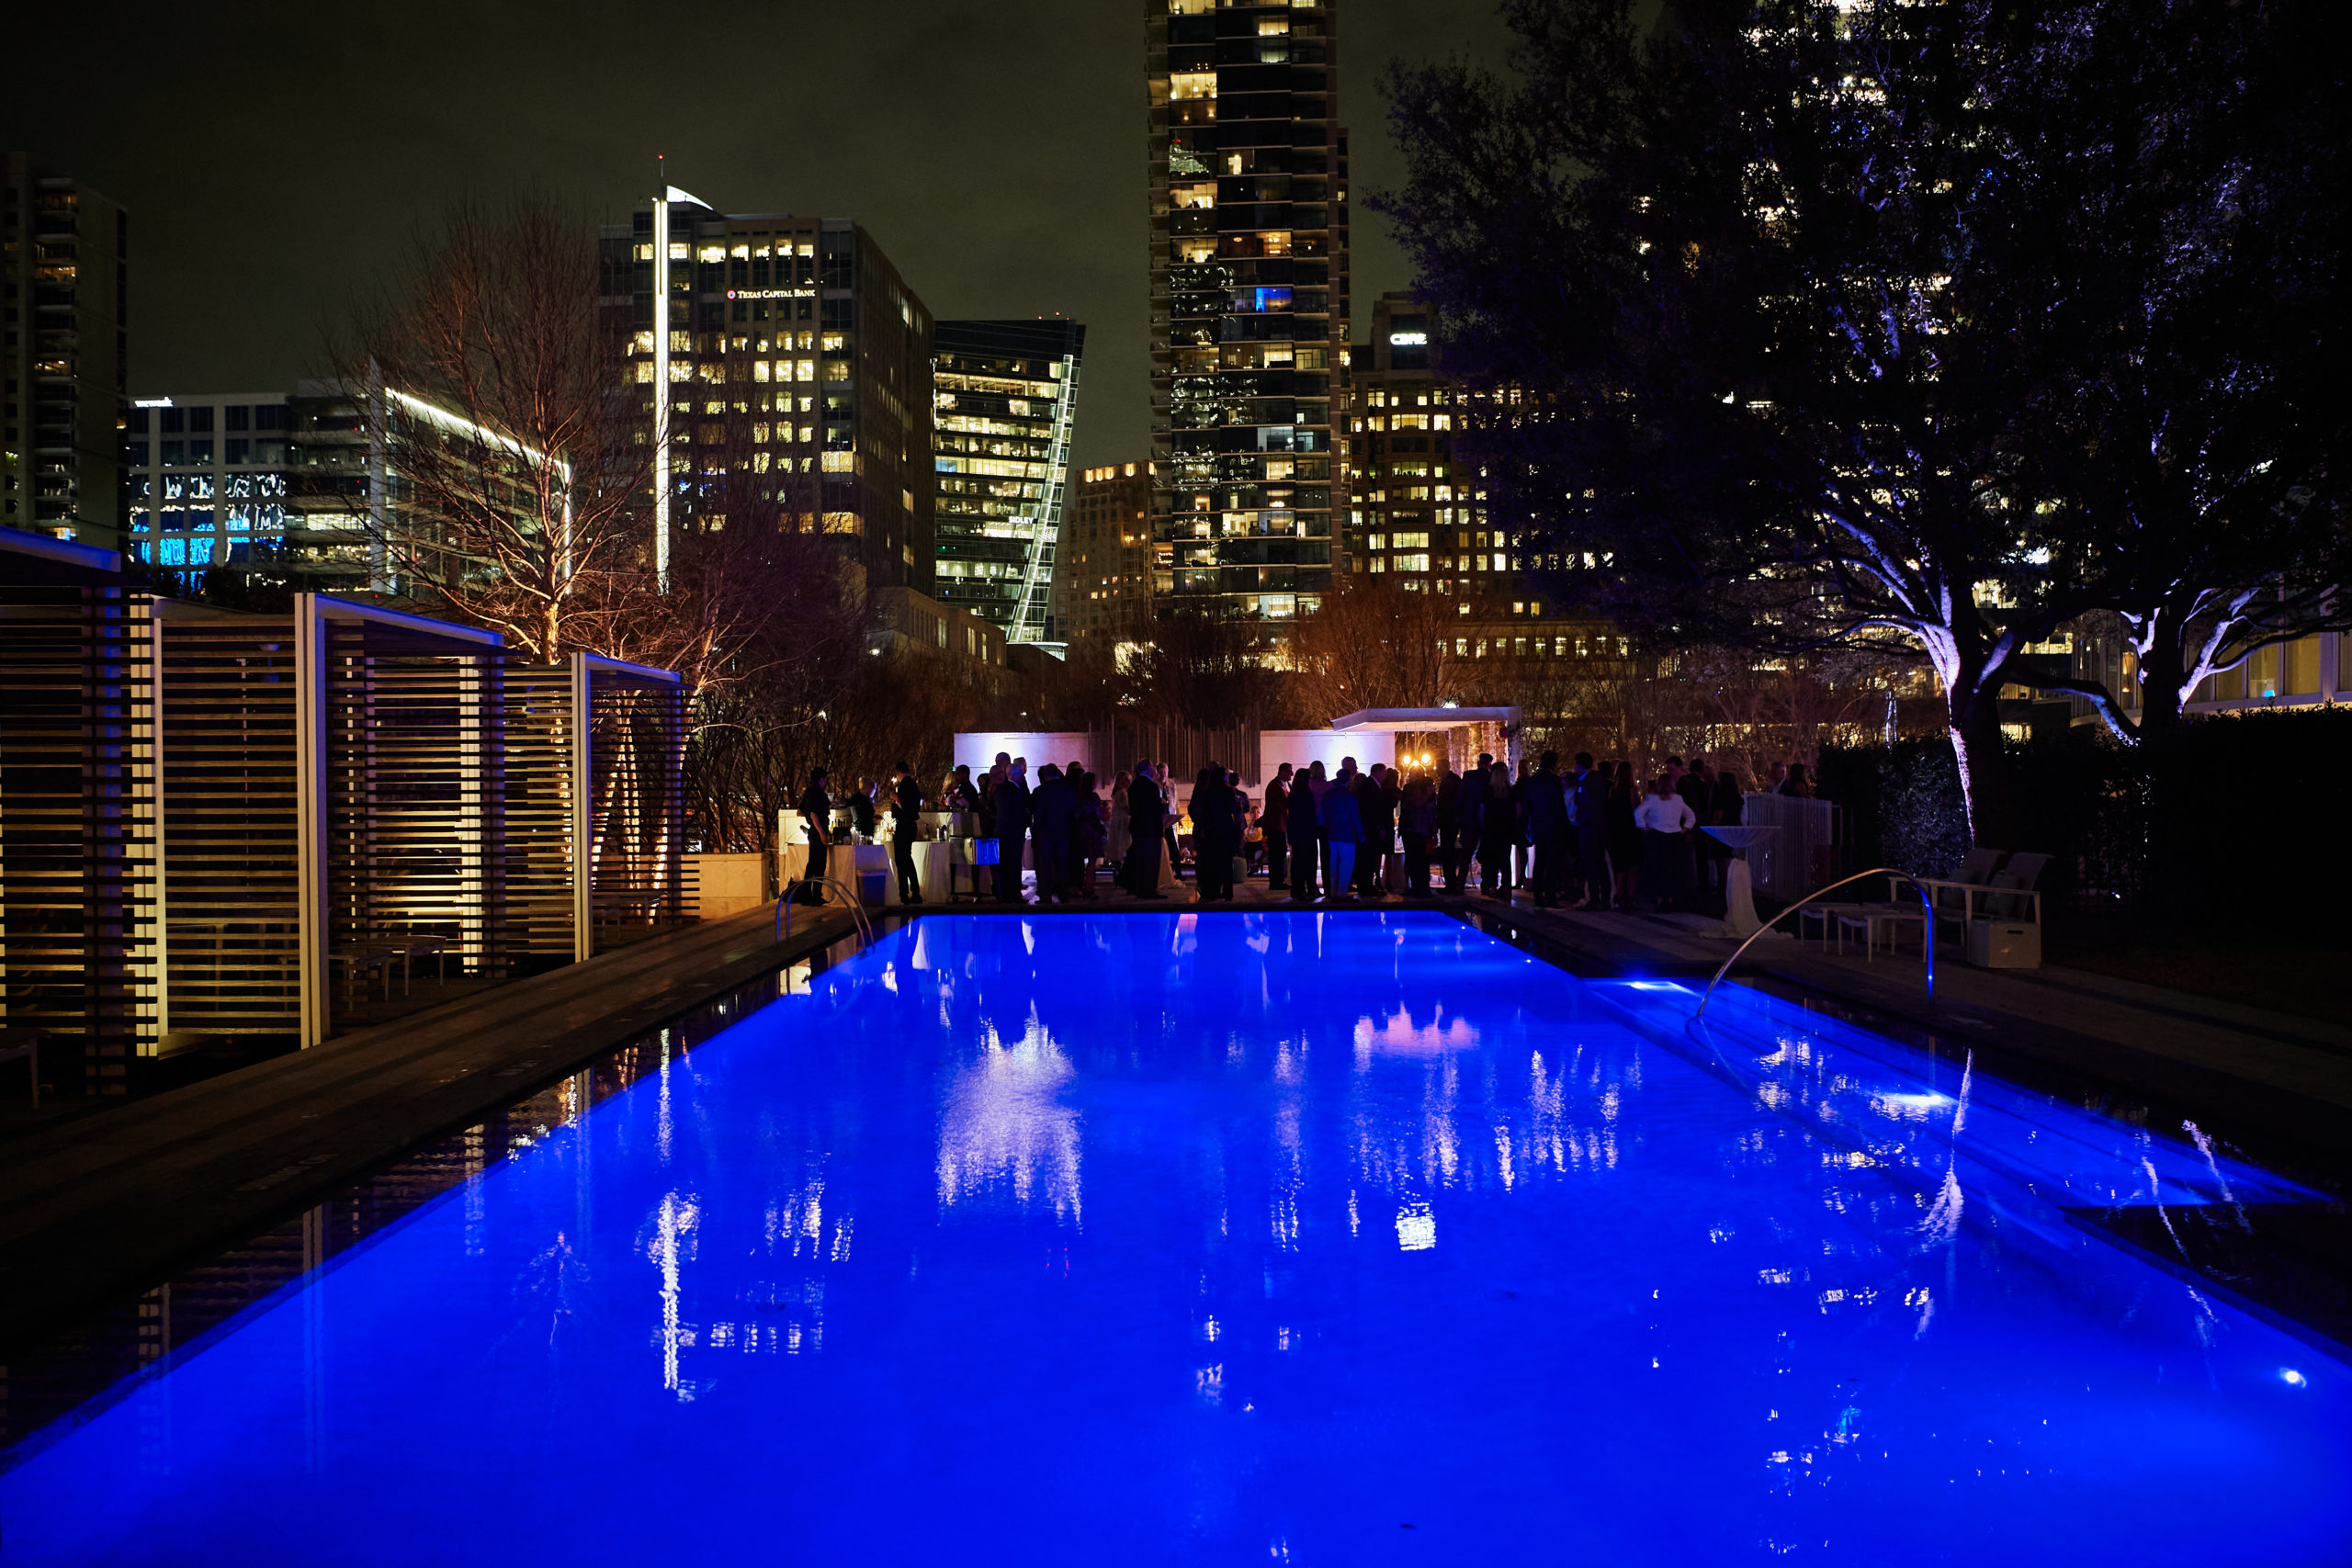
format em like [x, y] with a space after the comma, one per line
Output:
[1590, 836]
[1585, 837]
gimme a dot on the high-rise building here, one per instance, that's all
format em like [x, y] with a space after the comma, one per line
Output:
[1409, 507]
[1418, 513]
[64, 354]
[343, 526]
[1248, 235]
[387, 493]
[797, 362]
[205, 475]
[1004, 396]
[1102, 579]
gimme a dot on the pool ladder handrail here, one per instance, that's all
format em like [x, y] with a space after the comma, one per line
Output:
[862, 923]
[1927, 939]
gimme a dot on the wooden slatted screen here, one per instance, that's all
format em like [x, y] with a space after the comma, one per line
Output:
[413, 792]
[230, 838]
[77, 829]
[540, 736]
[637, 799]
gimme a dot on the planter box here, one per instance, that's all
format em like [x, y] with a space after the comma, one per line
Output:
[2005, 944]
[719, 885]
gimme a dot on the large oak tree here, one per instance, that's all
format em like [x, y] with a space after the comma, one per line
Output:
[1780, 370]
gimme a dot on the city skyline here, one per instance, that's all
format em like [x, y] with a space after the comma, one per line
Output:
[1057, 227]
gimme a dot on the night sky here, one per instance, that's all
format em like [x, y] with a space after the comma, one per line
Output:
[278, 160]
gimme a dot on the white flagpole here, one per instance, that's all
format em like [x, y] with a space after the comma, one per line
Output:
[661, 378]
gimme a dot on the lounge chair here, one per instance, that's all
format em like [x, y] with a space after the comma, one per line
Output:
[1955, 896]
[2006, 931]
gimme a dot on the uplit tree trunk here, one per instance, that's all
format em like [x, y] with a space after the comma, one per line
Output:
[1978, 746]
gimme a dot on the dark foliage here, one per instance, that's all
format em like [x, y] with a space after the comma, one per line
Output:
[1772, 316]
[2177, 831]
[2176, 176]
[1903, 802]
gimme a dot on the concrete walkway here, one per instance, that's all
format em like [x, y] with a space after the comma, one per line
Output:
[115, 1201]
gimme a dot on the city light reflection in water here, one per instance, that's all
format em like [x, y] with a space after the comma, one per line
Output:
[1226, 1237]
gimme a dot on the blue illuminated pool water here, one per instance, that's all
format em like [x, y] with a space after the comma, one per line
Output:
[1294, 1238]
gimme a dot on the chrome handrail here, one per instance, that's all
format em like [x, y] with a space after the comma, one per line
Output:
[858, 917]
[1927, 939]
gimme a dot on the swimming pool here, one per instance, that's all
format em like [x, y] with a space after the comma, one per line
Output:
[1316, 1238]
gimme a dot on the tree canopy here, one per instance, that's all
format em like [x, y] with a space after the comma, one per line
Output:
[1794, 304]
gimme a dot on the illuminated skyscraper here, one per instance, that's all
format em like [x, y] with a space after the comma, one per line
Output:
[1103, 566]
[797, 362]
[1418, 517]
[1248, 235]
[1005, 394]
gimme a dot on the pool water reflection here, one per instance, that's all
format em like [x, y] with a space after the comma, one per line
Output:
[1295, 1239]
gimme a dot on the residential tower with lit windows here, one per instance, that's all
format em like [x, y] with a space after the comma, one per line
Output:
[1417, 515]
[1103, 577]
[1247, 175]
[798, 367]
[65, 354]
[1004, 397]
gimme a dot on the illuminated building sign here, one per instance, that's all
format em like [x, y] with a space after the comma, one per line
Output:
[772, 294]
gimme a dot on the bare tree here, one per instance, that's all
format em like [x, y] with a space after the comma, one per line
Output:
[1375, 644]
[1206, 671]
[519, 481]
[1762, 711]
[1085, 690]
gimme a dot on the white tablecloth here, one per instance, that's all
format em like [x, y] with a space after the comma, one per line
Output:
[932, 857]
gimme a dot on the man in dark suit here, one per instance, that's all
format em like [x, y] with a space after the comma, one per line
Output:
[906, 809]
[1548, 824]
[1147, 815]
[1587, 815]
[816, 808]
[1376, 800]
[1470, 820]
[1012, 797]
[1054, 807]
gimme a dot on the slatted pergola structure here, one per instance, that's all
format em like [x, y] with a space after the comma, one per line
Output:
[596, 803]
[215, 823]
[77, 807]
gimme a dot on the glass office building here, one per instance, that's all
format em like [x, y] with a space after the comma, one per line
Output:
[1004, 396]
[1248, 234]
[799, 366]
[206, 478]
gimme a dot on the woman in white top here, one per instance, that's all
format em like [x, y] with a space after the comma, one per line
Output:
[1664, 818]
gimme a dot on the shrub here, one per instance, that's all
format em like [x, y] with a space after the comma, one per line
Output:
[2230, 819]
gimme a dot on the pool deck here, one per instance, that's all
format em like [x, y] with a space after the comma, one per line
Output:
[112, 1202]
[119, 1200]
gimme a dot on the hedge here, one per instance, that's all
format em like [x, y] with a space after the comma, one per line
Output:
[2235, 818]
